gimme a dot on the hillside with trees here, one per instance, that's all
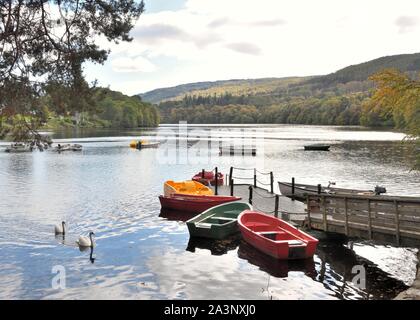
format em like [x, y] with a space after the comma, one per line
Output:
[334, 99]
[112, 110]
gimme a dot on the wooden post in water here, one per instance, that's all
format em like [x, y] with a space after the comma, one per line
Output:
[250, 195]
[272, 181]
[397, 222]
[231, 187]
[346, 227]
[293, 188]
[324, 213]
[202, 173]
[255, 178]
[319, 189]
[308, 209]
[216, 185]
[276, 206]
[231, 173]
[370, 220]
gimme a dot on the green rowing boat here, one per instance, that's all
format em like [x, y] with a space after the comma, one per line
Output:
[217, 222]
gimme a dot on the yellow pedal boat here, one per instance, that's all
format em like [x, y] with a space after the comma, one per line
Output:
[186, 187]
[143, 144]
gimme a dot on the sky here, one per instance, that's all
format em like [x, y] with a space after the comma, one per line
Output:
[182, 41]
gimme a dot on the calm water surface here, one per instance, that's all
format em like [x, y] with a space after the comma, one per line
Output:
[142, 253]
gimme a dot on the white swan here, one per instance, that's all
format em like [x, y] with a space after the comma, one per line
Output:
[60, 229]
[86, 241]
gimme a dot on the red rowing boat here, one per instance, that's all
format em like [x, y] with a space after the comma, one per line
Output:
[193, 203]
[275, 237]
[209, 178]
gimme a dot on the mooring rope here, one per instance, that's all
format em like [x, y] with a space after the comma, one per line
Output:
[242, 178]
[259, 209]
[263, 173]
[243, 168]
[263, 183]
[266, 197]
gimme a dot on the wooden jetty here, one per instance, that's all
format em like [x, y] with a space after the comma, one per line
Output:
[265, 201]
[388, 219]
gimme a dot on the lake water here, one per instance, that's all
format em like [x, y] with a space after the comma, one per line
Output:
[113, 190]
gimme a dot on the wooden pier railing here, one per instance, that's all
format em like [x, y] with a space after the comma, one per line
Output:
[372, 217]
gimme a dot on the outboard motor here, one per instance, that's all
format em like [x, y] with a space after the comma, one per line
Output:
[331, 183]
[379, 190]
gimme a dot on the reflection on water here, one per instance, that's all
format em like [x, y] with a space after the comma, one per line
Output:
[216, 247]
[174, 215]
[141, 252]
[336, 273]
[276, 268]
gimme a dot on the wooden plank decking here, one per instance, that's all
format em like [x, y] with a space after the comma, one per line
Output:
[264, 201]
[385, 218]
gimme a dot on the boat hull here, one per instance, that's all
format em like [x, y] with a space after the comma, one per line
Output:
[191, 203]
[217, 222]
[16, 150]
[68, 147]
[143, 145]
[302, 190]
[275, 237]
[209, 178]
[317, 148]
[153, 145]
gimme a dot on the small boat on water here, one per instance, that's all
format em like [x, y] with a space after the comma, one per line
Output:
[217, 222]
[19, 147]
[302, 190]
[68, 147]
[275, 237]
[186, 187]
[143, 144]
[208, 178]
[317, 147]
[237, 150]
[193, 203]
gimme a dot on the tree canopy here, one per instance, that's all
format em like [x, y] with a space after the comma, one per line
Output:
[43, 46]
[397, 98]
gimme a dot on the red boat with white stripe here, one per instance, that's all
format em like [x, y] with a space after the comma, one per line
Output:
[193, 203]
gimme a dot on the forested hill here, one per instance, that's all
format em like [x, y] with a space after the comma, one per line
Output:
[360, 72]
[178, 92]
[337, 98]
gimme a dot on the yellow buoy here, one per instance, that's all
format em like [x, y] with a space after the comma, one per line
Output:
[133, 144]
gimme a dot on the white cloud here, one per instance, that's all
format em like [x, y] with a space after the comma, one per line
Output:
[407, 23]
[244, 47]
[136, 64]
[219, 39]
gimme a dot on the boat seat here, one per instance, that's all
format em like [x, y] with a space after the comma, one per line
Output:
[270, 232]
[203, 225]
[295, 242]
[225, 218]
